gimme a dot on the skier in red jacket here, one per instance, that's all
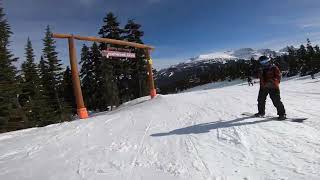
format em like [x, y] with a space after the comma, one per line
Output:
[270, 77]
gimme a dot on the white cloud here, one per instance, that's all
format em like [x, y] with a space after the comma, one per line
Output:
[308, 21]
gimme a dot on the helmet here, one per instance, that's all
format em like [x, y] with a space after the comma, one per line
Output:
[264, 60]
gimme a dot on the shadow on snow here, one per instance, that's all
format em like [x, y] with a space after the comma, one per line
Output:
[206, 127]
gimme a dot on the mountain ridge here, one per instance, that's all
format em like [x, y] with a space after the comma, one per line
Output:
[223, 56]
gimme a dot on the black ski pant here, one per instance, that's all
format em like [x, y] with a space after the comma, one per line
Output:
[275, 97]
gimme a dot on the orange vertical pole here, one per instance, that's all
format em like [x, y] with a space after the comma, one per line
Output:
[153, 91]
[81, 109]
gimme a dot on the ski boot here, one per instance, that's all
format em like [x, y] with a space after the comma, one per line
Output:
[259, 115]
[282, 117]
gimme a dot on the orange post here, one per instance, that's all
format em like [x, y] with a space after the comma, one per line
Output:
[153, 91]
[81, 109]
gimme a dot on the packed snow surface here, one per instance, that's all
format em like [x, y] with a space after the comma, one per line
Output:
[198, 135]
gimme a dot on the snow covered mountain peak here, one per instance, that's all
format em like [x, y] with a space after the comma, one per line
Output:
[243, 53]
[216, 55]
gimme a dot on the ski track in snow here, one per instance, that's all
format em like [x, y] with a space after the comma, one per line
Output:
[193, 135]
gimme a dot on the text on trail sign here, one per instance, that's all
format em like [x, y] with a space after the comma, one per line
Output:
[118, 52]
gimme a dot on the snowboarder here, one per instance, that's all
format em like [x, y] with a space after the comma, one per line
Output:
[250, 81]
[269, 76]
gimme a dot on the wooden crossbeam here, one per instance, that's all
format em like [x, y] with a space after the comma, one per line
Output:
[105, 40]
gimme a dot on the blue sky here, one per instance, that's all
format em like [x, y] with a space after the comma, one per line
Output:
[179, 29]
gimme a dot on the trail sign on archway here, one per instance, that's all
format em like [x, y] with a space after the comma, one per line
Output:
[118, 52]
[109, 52]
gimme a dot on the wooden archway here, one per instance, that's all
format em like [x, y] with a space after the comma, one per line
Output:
[81, 109]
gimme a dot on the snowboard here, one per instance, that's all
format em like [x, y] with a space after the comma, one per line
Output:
[298, 119]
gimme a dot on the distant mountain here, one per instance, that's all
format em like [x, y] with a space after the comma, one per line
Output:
[194, 67]
[243, 53]
[222, 57]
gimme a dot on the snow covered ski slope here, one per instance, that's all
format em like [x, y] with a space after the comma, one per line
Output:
[198, 135]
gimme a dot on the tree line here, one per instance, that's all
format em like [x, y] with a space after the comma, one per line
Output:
[302, 61]
[40, 92]
[202, 74]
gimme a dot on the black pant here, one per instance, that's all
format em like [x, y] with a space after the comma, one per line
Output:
[275, 97]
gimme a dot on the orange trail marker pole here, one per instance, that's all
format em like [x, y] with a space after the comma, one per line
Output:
[81, 109]
[153, 91]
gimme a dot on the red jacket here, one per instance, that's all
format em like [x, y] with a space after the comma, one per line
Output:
[270, 75]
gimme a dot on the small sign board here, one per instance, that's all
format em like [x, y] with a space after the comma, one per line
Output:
[118, 52]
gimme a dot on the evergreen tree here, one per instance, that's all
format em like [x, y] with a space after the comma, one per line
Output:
[44, 74]
[109, 69]
[88, 63]
[133, 32]
[302, 52]
[302, 56]
[139, 85]
[315, 62]
[310, 55]
[103, 92]
[310, 49]
[31, 98]
[292, 61]
[53, 84]
[48, 117]
[10, 109]
[317, 50]
[69, 99]
[29, 69]
[111, 28]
